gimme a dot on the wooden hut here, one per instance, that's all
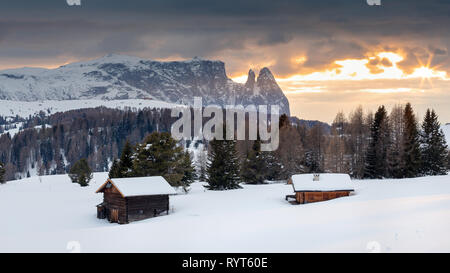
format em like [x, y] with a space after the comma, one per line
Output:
[130, 199]
[309, 188]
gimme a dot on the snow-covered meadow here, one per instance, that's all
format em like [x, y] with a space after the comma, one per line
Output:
[50, 214]
[24, 109]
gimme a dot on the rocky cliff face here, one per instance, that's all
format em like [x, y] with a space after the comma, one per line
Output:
[124, 77]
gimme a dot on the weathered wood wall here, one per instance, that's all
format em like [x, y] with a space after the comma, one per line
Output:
[115, 201]
[311, 197]
[143, 207]
[123, 210]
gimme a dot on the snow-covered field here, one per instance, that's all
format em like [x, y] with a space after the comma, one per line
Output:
[24, 109]
[53, 215]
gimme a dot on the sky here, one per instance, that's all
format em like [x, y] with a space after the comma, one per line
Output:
[327, 55]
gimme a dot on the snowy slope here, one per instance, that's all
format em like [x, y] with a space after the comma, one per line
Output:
[126, 77]
[388, 216]
[13, 128]
[25, 108]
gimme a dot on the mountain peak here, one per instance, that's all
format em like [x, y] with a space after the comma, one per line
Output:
[116, 76]
[266, 79]
[268, 87]
[111, 58]
[265, 73]
[118, 57]
[250, 84]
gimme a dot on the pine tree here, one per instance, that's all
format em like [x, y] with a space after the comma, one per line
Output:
[114, 171]
[223, 165]
[376, 158]
[123, 167]
[201, 165]
[254, 166]
[126, 160]
[156, 155]
[81, 173]
[233, 165]
[448, 160]
[433, 146]
[411, 146]
[273, 166]
[2, 173]
[395, 168]
[188, 171]
[159, 155]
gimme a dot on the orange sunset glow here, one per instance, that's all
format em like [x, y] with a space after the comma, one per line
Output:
[359, 69]
[379, 76]
[352, 54]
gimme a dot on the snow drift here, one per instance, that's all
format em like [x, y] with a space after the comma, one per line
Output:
[50, 214]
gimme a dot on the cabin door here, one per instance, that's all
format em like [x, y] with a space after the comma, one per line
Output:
[114, 215]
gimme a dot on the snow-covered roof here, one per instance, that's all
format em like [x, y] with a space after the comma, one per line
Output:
[139, 186]
[326, 182]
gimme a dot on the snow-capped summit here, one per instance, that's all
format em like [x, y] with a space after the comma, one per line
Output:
[265, 74]
[250, 84]
[266, 81]
[115, 76]
[108, 58]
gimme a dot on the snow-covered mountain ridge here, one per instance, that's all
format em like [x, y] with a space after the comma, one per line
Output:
[24, 109]
[125, 77]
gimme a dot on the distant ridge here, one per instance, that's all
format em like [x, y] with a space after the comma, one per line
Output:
[126, 77]
[311, 123]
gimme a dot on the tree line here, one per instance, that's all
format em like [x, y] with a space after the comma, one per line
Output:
[158, 155]
[388, 145]
[371, 147]
[365, 145]
[52, 144]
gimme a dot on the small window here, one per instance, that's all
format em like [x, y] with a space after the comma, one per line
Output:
[141, 211]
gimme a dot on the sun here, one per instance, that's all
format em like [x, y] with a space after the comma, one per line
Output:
[424, 72]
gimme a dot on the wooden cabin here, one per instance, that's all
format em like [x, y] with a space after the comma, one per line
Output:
[131, 199]
[309, 188]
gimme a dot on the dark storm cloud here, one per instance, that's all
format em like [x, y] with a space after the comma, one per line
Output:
[321, 30]
[438, 51]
